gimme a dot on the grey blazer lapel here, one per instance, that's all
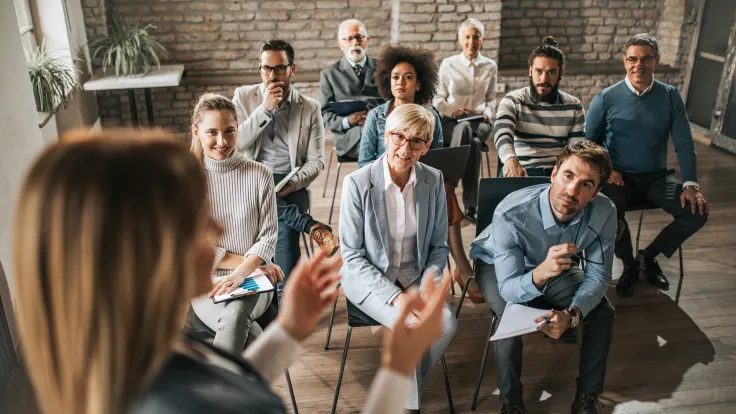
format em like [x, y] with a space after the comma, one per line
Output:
[422, 195]
[348, 71]
[378, 201]
[370, 71]
[295, 124]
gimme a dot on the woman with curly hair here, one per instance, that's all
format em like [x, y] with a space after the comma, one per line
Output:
[407, 75]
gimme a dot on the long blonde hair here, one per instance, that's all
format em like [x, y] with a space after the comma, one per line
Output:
[208, 102]
[104, 234]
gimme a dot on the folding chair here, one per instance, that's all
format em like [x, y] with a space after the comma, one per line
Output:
[490, 193]
[358, 319]
[641, 204]
[340, 160]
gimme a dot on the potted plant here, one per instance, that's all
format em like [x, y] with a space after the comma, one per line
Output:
[128, 49]
[52, 79]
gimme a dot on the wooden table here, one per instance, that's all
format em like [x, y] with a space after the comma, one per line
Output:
[165, 76]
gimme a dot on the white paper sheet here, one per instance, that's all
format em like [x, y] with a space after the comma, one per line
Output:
[260, 283]
[517, 320]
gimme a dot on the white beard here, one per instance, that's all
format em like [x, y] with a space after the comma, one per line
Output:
[353, 57]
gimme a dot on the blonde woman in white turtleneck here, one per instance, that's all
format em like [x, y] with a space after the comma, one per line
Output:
[243, 201]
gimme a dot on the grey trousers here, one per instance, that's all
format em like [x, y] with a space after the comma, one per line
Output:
[232, 320]
[467, 133]
[558, 294]
[386, 315]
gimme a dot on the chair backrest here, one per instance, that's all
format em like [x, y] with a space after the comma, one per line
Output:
[357, 318]
[493, 190]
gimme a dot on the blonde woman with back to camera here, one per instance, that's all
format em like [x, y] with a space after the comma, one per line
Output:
[113, 238]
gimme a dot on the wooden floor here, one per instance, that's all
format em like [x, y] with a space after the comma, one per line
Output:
[664, 358]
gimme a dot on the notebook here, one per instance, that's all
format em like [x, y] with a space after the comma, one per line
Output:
[517, 320]
[345, 108]
[281, 184]
[254, 284]
[471, 117]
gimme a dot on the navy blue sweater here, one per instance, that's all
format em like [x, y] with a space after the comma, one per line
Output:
[635, 129]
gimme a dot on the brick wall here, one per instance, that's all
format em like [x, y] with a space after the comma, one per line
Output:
[218, 41]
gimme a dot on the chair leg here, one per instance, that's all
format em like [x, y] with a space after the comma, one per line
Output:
[332, 319]
[462, 295]
[327, 176]
[488, 164]
[342, 368]
[306, 244]
[682, 275]
[483, 362]
[334, 191]
[447, 386]
[449, 270]
[638, 232]
[291, 392]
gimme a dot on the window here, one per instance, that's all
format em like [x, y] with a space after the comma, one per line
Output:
[25, 24]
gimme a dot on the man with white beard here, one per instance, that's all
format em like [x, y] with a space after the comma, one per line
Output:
[350, 78]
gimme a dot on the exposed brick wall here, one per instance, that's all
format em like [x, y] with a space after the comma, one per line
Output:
[433, 24]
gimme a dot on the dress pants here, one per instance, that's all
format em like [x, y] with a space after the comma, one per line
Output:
[293, 220]
[664, 192]
[468, 133]
[387, 314]
[558, 294]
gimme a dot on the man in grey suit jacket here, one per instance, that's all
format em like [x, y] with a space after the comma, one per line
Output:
[281, 128]
[349, 78]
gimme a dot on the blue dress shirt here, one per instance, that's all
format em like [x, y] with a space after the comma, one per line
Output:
[523, 230]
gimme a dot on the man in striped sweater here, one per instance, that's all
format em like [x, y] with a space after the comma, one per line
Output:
[534, 123]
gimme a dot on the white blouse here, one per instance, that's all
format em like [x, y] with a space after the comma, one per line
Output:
[467, 84]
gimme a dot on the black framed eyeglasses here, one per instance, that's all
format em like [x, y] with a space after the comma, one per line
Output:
[414, 143]
[279, 69]
[350, 39]
[644, 59]
[579, 255]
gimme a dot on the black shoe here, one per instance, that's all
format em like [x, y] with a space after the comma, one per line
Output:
[470, 215]
[627, 282]
[514, 409]
[586, 403]
[648, 266]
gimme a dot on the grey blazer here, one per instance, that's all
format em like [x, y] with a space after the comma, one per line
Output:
[306, 132]
[364, 233]
[337, 82]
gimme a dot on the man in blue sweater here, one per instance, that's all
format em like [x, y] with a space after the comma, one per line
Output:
[633, 120]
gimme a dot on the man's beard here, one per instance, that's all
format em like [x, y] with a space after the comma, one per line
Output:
[349, 55]
[550, 97]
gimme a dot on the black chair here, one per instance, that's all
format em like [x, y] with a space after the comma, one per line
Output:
[358, 319]
[340, 160]
[490, 193]
[201, 331]
[641, 205]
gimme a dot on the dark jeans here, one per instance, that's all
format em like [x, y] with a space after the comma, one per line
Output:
[558, 294]
[531, 172]
[293, 220]
[664, 192]
[470, 133]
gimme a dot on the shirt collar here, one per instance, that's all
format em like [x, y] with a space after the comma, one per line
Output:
[633, 89]
[387, 175]
[468, 62]
[361, 63]
[548, 217]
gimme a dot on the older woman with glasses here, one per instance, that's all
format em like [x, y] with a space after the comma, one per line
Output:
[393, 230]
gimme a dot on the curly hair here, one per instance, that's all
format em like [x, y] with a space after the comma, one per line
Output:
[423, 62]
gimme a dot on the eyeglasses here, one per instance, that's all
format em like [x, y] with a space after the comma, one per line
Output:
[350, 39]
[279, 70]
[414, 143]
[644, 59]
[579, 255]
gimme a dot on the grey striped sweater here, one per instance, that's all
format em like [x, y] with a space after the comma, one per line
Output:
[243, 201]
[536, 132]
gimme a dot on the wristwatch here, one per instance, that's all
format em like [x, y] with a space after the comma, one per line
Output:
[693, 186]
[575, 313]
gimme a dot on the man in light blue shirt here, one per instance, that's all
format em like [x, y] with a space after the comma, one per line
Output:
[531, 253]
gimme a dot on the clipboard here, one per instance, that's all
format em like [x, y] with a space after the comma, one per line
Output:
[254, 284]
[451, 161]
[475, 117]
[281, 184]
[347, 107]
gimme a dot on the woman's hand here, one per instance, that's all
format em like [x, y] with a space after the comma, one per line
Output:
[405, 344]
[228, 283]
[272, 271]
[310, 290]
[458, 113]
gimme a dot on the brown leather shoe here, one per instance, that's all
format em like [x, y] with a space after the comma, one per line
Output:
[325, 239]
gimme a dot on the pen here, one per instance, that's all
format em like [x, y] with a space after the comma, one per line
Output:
[544, 322]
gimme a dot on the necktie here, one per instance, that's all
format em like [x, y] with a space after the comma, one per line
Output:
[358, 70]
